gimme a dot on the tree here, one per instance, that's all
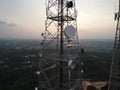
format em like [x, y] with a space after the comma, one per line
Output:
[105, 87]
[91, 88]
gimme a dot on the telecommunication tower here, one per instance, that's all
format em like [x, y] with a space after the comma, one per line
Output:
[59, 47]
[114, 81]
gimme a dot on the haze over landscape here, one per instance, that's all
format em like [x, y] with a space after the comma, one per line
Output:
[24, 19]
[28, 62]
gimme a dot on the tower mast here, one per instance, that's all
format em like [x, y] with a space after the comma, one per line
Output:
[59, 45]
[114, 80]
[61, 24]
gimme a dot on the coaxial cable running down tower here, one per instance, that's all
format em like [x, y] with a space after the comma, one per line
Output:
[114, 81]
[59, 47]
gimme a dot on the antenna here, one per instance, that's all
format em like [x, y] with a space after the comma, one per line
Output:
[71, 66]
[115, 17]
[69, 31]
[60, 33]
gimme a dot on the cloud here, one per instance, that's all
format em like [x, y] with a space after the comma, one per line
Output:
[4, 23]
[12, 24]
[8, 30]
[12, 30]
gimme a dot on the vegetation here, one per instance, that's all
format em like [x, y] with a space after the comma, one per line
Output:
[18, 66]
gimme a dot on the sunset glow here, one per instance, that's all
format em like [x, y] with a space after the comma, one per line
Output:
[95, 18]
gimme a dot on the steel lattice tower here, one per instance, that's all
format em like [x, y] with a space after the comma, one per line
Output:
[58, 16]
[58, 49]
[114, 81]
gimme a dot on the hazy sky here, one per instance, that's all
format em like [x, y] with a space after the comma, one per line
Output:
[26, 18]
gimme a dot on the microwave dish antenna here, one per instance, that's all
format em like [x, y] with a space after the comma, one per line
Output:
[70, 31]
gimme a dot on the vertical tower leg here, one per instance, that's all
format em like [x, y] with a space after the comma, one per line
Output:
[114, 81]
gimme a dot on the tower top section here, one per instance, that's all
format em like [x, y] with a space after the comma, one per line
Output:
[117, 14]
[53, 10]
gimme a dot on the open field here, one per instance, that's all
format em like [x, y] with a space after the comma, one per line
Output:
[18, 65]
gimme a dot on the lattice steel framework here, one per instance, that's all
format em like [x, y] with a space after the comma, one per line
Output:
[58, 17]
[58, 49]
[114, 82]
